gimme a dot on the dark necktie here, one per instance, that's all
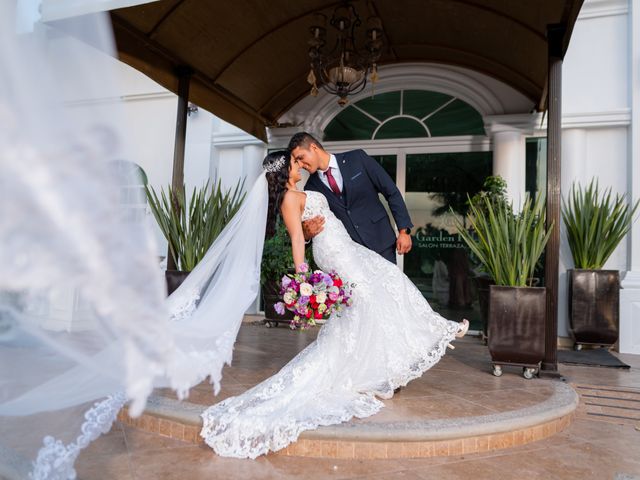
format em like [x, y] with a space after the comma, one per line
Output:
[332, 182]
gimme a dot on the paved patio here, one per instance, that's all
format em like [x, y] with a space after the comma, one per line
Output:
[603, 440]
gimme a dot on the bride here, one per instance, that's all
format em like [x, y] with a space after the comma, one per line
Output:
[388, 337]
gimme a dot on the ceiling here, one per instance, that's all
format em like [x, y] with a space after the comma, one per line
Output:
[249, 57]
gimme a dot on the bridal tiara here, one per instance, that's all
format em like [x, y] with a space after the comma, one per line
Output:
[276, 165]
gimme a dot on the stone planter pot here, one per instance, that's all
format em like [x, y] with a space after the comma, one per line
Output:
[594, 306]
[517, 327]
[174, 279]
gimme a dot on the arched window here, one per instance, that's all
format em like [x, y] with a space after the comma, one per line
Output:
[405, 114]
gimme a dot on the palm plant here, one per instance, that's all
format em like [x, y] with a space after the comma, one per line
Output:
[191, 227]
[508, 245]
[596, 223]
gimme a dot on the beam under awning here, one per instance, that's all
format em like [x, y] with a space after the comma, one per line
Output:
[159, 64]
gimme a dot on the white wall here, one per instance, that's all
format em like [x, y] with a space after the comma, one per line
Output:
[596, 117]
[595, 69]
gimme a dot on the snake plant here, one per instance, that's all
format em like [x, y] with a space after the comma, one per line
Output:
[191, 227]
[507, 244]
[596, 223]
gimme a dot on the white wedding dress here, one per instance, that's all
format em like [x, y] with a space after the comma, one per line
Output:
[388, 337]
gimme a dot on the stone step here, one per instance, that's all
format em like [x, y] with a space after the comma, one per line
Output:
[620, 405]
[392, 439]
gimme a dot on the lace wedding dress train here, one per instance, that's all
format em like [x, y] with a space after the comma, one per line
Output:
[388, 337]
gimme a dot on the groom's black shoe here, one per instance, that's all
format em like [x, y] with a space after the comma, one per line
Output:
[397, 390]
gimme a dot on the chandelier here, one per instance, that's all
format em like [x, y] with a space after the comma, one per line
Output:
[343, 69]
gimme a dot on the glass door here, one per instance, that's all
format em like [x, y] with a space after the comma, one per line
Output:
[436, 192]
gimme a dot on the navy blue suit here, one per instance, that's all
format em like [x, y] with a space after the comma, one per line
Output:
[359, 207]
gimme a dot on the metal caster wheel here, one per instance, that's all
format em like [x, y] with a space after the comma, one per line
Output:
[497, 370]
[577, 347]
[270, 324]
[528, 373]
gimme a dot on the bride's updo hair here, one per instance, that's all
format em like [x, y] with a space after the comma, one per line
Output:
[276, 165]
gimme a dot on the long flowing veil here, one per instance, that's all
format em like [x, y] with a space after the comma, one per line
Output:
[84, 323]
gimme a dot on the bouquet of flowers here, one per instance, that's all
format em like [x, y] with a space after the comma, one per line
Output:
[313, 296]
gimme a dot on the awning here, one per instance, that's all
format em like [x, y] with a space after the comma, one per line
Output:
[249, 57]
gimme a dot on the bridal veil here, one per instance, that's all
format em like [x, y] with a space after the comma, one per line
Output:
[84, 323]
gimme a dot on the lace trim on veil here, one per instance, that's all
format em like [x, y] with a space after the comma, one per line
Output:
[186, 306]
[55, 460]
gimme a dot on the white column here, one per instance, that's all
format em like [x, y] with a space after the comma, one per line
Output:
[630, 293]
[508, 140]
[252, 157]
[574, 155]
[508, 162]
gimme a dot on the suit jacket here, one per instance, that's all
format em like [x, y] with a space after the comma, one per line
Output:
[359, 207]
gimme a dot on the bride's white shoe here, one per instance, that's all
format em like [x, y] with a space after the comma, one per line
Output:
[463, 329]
[461, 333]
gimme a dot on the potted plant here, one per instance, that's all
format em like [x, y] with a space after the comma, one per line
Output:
[509, 245]
[494, 190]
[595, 223]
[277, 261]
[191, 227]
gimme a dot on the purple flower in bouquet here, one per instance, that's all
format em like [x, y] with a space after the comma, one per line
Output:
[286, 281]
[304, 268]
[279, 308]
[303, 300]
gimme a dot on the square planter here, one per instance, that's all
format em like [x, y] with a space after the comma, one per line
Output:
[174, 279]
[594, 306]
[517, 327]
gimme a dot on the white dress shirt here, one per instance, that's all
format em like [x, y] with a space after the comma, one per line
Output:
[333, 164]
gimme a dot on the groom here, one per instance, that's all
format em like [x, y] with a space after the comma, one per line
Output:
[351, 182]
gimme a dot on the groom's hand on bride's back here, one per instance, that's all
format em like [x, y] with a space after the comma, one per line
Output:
[312, 227]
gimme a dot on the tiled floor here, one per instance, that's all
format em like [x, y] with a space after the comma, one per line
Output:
[461, 384]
